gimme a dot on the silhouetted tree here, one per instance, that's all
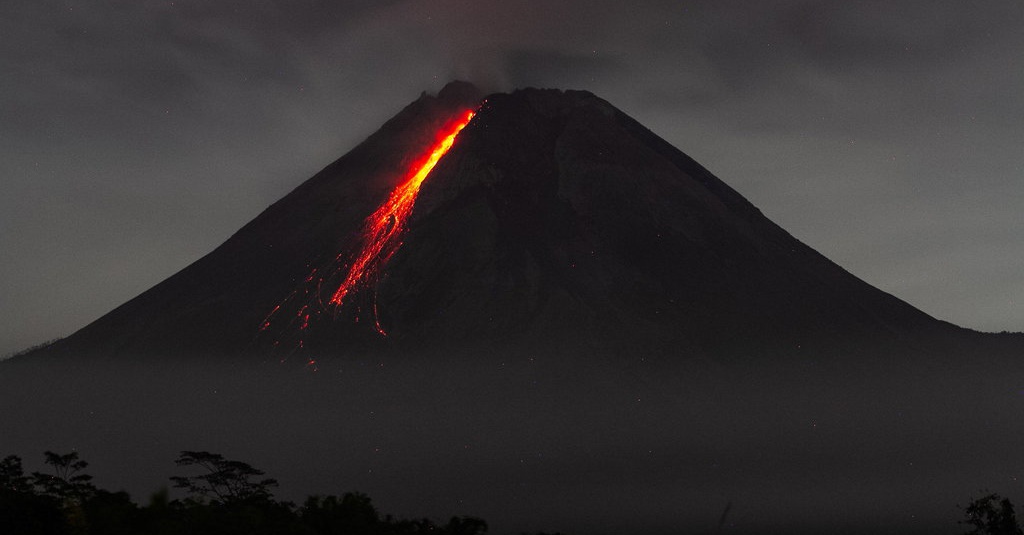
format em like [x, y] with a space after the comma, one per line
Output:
[225, 481]
[991, 515]
[12, 476]
[66, 482]
[22, 511]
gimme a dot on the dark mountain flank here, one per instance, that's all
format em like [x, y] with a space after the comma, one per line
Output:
[555, 220]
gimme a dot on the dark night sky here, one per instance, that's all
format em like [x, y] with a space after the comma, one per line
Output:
[135, 136]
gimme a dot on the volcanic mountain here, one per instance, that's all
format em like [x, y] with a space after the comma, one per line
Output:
[530, 308]
[554, 218]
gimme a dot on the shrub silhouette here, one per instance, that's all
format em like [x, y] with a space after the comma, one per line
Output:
[353, 513]
[991, 515]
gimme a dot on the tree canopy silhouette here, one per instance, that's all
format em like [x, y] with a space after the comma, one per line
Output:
[67, 482]
[991, 515]
[223, 480]
[226, 498]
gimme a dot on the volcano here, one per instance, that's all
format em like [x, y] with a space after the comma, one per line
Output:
[552, 218]
[528, 307]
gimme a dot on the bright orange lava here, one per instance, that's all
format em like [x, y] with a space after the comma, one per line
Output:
[381, 238]
[382, 230]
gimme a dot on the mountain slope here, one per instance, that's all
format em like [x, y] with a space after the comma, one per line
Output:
[554, 221]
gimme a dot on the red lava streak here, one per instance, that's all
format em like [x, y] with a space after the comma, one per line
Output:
[381, 236]
[382, 229]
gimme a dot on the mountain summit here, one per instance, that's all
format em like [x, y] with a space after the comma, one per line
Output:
[551, 219]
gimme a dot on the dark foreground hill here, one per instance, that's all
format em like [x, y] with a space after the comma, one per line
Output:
[586, 331]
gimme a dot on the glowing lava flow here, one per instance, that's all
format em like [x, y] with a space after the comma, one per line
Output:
[381, 237]
[383, 228]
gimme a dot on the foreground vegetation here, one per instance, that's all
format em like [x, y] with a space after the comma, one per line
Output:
[228, 497]
[224, 497]
[991, 515]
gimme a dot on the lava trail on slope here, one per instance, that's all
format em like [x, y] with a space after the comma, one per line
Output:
[360, 267]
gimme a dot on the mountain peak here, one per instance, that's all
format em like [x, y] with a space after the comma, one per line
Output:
[554, 218]
[459, 91]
